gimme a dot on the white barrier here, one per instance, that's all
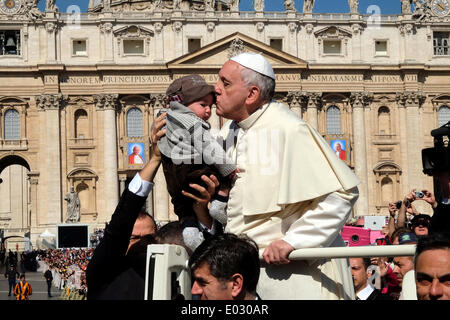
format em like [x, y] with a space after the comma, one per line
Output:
[353, 252]
[167, 273]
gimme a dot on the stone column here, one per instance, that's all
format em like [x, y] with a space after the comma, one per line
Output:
[51, 104]
[51, 41]
[106, 28]
[159, 42]
[159, 193]
[34, 180]
[108, 104]
[292, 45]
[295, 101]
[360, 100]
[412, 102]
[177, 28]
[312, 107]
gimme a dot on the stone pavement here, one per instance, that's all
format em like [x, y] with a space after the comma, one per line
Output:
[38, 284]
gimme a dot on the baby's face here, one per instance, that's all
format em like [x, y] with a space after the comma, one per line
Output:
[202, 107]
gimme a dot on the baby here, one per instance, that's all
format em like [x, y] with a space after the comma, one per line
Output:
[189, 151]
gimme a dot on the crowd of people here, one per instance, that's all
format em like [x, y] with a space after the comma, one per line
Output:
[67, 267]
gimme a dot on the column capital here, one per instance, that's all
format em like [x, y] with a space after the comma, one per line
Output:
[360, 99]
[157, 100]
[106, 101]
[50, 101]
[410, 98]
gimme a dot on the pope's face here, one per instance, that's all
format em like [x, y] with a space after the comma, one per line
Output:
[231, 92]
[136, 150]
[338, 147]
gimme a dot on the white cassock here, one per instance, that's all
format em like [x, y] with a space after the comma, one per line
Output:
[292, 187]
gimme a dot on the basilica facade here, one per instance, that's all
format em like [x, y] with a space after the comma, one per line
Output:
[79, 91]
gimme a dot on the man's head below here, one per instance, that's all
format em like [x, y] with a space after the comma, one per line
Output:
[195, 93]
[225, 267]
[246, 82]
[432, 267]
[402, 266]
[358, 267]
[145, 225]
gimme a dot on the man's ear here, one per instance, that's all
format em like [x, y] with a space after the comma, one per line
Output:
[254, 95]
[237, 285]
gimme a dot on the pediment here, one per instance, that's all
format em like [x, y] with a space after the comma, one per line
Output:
[333, 32]
[214, 55]
[133, 31]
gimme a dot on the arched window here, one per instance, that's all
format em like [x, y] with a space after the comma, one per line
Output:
[333, 120]
[387, 190]
[12, 125]
[443, 115]
[83, 193]
[384, 120]
[134, 123]
[81, 124]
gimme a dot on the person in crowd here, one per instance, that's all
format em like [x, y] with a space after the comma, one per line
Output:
[117, 268]
[432, 267]
[279, 198]
[225, 267]
[407, 207]
[22, 289]
[363, 290]
[420, 224]
[404, 268]
[172, 233]
[12, 275]
[189, 151]
[49, 279]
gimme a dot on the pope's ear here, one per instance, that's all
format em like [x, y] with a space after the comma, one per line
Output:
[254, 95]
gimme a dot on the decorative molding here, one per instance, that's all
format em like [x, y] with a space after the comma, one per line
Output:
[106, 27]
[409, 98]
[210, 26]
[360, 99]
[260, 26]
[177, 26]
[106, 101]
[50, 101]
[236, 47]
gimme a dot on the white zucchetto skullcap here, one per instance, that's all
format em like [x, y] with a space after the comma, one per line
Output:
[255, 62]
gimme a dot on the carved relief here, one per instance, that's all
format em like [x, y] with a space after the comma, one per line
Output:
[236, 47]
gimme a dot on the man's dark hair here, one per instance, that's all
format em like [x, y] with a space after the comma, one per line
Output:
[172, 233]
[433, 241]
[143, 214]
[226, 255]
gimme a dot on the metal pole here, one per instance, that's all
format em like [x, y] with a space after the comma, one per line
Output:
[353, 252]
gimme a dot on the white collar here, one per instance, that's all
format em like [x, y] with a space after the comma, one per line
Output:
[365, 293]
[445, 201]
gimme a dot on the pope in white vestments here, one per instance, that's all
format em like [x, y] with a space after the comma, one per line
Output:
[291, 186]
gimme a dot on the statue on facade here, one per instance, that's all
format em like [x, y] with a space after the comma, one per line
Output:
[33, 11]
[406, 6]
[308, 6]
[73, 206]
[289, 5]
[50, 5]
[210, 5]
[259, 5]
[234, 5]
[177, 4]
[353, 4]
